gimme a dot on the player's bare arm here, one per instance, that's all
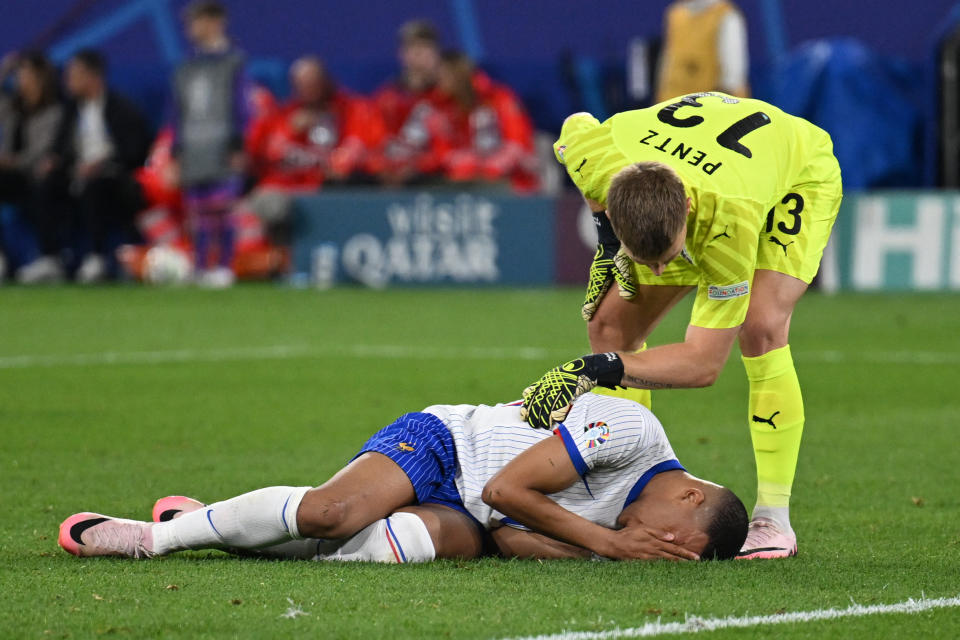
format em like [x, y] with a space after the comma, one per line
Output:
[517, 543]
[595, 206]
[695, 362]
[520, 491]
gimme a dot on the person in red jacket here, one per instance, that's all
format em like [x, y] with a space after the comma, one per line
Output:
[488, 135]
[161, 222]
[419, 56]
[322, 133]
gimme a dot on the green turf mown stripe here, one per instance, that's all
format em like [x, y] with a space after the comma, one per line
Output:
[282, 352]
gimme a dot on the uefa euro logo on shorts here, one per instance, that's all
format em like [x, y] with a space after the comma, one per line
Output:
[597, 434]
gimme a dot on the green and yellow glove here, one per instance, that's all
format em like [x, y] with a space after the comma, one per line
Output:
[547, 401]
[610, 264]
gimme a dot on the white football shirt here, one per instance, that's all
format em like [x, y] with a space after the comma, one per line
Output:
[616, 445]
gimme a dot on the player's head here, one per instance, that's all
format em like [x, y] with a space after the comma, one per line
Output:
[704, 517]
[205, 21]
[86, 73]
[419, 53]
[647, 207]
[310, 81]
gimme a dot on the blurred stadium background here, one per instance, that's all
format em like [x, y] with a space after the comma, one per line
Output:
[882, 82]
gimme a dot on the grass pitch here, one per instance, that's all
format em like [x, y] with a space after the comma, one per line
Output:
[112, 397]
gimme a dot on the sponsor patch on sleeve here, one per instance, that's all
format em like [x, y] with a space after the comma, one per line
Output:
[725, 292]
[561, 150]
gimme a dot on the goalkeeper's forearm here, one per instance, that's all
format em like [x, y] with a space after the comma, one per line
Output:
[681, 365]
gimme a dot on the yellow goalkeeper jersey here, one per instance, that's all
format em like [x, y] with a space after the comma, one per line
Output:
[737, 158]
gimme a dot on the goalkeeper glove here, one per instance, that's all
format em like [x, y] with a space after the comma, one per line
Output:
[547, 401]
[610, 264]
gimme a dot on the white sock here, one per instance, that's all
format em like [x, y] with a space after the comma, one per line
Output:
[780, 515]
[257, 519]
[305, 549]
[402, 537]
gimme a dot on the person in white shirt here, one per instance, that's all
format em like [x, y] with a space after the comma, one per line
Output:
[606, 483]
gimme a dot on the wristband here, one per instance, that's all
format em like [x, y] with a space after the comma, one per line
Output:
[605, 234]
[605, 368]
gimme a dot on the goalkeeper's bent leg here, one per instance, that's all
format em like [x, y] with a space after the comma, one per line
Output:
[642, 396]
[776, 426]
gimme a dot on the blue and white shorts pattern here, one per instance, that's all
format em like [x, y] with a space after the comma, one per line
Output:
[422, 446]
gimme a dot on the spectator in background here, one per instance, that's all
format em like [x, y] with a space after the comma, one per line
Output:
[419, 56]
[406, 106]
[322, 133]
[210, 96]
[486, 135]
[103, 140]
[705, 49]
[30, 117]
[161, 222]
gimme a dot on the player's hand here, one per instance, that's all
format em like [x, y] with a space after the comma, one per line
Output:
[610, 264]
[645, 543]
[548, 400]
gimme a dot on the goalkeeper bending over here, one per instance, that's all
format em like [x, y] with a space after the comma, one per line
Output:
[434, 482]
[731, 196]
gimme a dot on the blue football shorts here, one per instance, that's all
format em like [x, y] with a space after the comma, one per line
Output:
[421, 445]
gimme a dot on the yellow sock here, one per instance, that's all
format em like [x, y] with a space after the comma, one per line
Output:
[637, 395]
[776, 424]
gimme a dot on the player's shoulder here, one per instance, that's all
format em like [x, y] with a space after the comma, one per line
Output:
[591, 408]
[576, 128]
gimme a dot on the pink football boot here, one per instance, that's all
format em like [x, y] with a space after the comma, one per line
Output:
[766, 540]
[172, 507]
[92, 534]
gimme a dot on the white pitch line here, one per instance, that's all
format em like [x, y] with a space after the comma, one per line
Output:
[279, 352]
[694, 624]
[410, 352]
[880, 357]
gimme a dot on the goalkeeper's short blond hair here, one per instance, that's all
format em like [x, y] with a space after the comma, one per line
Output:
[647, 207]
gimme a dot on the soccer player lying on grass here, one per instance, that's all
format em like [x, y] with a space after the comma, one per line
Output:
[430, 484]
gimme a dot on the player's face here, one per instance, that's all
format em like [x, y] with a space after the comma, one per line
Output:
[673, 513]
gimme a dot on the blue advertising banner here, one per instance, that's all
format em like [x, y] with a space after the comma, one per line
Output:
[410, 238]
